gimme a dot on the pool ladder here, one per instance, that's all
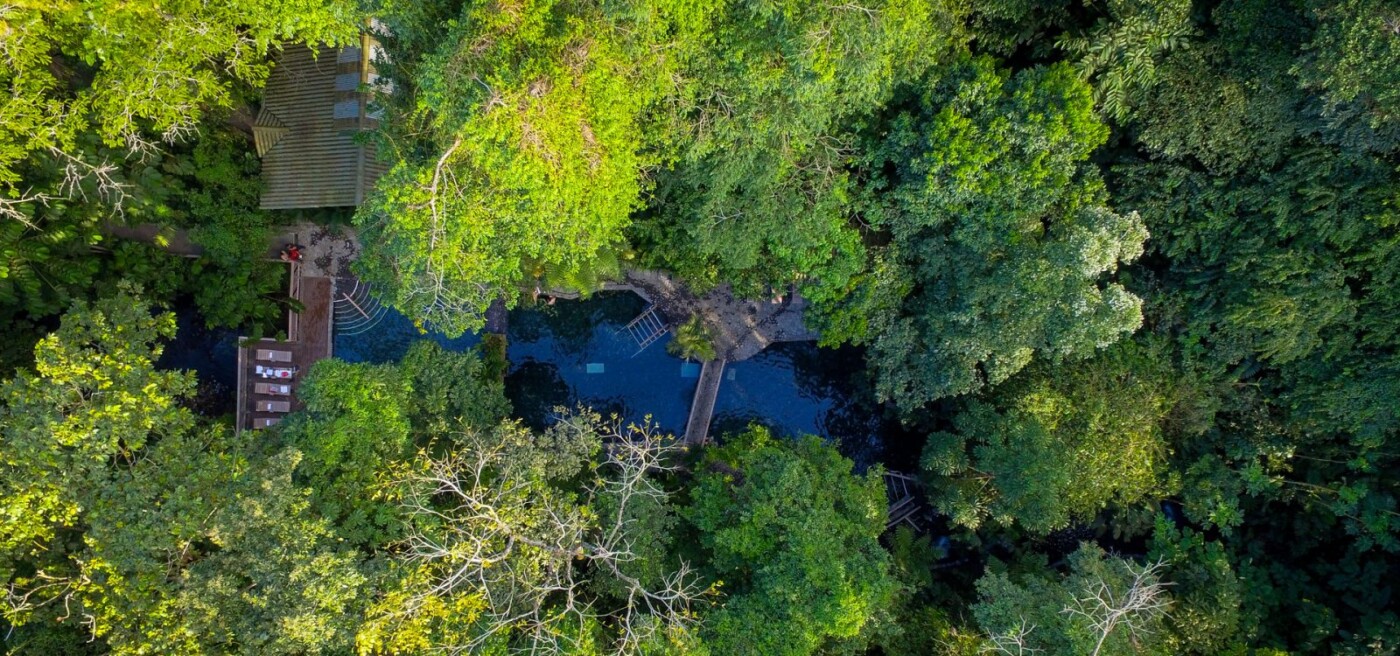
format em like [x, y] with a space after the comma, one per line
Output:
[647, 328]
[356, 311]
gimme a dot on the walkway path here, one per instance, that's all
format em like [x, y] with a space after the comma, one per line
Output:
[308, 340]
[325, 253]
[702, 406]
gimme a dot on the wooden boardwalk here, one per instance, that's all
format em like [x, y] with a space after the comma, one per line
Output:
[702, 406]
[308, 340]
[311, 280]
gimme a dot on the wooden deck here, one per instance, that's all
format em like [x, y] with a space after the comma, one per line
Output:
[309, 340]
[702, 406]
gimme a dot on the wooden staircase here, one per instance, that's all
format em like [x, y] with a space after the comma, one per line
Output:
[904, 503]
[355, 310]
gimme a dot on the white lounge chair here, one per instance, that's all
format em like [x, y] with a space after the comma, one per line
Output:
[265, 422]
[283, 373]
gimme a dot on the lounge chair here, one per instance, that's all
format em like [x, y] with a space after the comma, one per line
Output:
[269, 355]
[265, 422]
[272, 388]
[284, 373]
[274, 406]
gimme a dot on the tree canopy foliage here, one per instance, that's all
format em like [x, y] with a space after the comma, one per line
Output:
[1124, 272]
[521, 144]
[1058, 445]
[764, 134]
[132, 75]
[792, 535]
[131, 519]
[1000, 236]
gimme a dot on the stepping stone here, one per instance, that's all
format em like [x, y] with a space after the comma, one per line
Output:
[690, 370]
[594, 367]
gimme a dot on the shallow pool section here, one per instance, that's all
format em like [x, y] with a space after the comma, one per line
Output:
[575, 353]
[389, 339]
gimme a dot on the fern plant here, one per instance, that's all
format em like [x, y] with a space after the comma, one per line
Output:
[585, 277]
[41, 268]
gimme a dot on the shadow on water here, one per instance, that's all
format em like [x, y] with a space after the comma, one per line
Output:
[796, 388]
[388, 341]
[212, 354]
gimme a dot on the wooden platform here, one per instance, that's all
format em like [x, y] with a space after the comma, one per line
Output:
[309, 341]
[702, 406]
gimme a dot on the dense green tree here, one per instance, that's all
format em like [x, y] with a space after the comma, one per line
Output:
[792, 535]
[360, 420]
[1001, 236]
[1206, 616]
[927, 173]
[94, 396]
[129, 519]
[1119, 53]
[45, 263]
[518, 143]
[354, 427]
[64, 250]
[1272, 271]
[132, 74]
[1229, 102]
[1060, 444]
[1278, 281]
[530, 541]
[234, 284]
[451, 390]
[922, 620]
[199, 549]
[1354, 56]
[763, 130]
[1002, 26]
[1104, 606]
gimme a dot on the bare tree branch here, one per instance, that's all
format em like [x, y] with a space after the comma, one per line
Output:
[1135, 610]
[486, 523]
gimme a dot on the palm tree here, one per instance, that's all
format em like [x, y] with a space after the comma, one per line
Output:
[692, 341]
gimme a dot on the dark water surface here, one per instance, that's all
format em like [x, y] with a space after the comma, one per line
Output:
[211, 354]
[576, 352]
[796, 388]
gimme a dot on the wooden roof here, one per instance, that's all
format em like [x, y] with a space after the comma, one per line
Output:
[312, 110]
